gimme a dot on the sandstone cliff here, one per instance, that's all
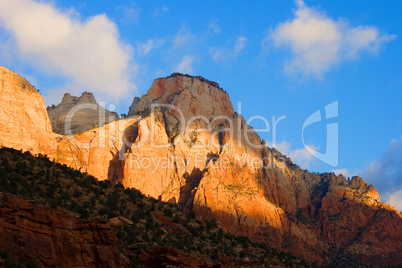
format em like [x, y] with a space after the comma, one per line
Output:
[149, 233]
[193, 149]
[75, 114]
[24, 123]
[98, 150]
[184, 144]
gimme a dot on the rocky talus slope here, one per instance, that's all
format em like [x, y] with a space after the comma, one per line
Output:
[183, 143]
[77, 114]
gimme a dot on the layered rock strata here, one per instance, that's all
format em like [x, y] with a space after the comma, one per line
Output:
[184, 143]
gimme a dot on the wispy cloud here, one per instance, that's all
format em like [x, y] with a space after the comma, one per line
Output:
[185, 65]
[143, 48]
[395, 199]
[385, 173]
[214, 27]
[239, 45]
[230, 52]
[318, 42]
[184, 38]
[160, 10]
[184, 45]
[89, 53]
[299, 156]
[130, 12]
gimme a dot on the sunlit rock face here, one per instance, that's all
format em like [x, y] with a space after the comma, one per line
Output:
[193, 149]
[183, 143]
[24, 123]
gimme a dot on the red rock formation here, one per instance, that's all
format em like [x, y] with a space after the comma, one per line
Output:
[171, 257]
[54, 237]
[193, 149]
[220, 170]
[93, 151]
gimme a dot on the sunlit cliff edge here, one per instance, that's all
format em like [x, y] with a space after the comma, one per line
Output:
[210, 166]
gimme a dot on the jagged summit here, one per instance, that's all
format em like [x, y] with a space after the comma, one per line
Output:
[192, 95]
[68, 99]
[86, 97]
[219, 169]
[202, 79]
[87, 116]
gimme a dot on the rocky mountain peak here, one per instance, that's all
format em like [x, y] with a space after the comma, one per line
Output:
[67, 98]
[219, 169]
[192, 95]
[86, 97]
[183, 99]
[86, 117]
[200, 78]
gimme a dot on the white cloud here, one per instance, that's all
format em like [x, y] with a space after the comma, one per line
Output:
[183, 48]
[395, 199]
[223, 54]
[130, 12]
[215, 27]
[239, 45]
[363, 38]
[160, 10]
[342, 171]
[143, 48]
[299, 156]
[89, 53]
[7, 50]
[184, 38]
[318, 42]
[302, 157]
[218, 54]
[384, 173]
[185, 65]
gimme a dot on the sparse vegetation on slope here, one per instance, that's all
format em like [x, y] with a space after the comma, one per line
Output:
[145, 227]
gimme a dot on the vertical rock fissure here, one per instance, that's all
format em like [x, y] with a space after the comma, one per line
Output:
[238, 220]
[188, 190]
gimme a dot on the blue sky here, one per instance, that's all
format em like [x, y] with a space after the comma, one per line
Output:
[278, 58]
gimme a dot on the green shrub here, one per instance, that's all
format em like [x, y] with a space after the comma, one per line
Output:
[167, 212]
[3, 254]
[176, 219]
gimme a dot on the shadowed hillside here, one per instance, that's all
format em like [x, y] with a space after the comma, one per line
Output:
[52, 205]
